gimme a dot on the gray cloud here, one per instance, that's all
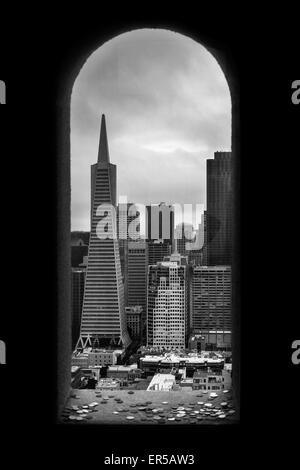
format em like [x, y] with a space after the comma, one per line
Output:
[167, 107]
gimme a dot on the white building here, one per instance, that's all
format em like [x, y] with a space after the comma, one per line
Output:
[162, 383]
[166, 310]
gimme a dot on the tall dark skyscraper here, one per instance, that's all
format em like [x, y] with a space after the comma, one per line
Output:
[157, 250]
[159, 231]
[219, 209]
[160, 222]
[211, 299]
[103, 312]
[128, 229]
[136, 274]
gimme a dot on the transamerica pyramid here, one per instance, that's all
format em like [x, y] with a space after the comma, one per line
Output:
[103, 314]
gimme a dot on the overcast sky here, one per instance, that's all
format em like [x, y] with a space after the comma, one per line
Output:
[167, 106]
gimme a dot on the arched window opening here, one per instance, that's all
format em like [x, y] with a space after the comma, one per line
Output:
[153, 156]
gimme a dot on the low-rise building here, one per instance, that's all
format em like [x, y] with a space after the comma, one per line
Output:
[191, 362]
[81, 360]
[210, 340]
[129, 373]
[108, 384]
[90, 357]
[187, 384]
[162, 383]
[208, 380]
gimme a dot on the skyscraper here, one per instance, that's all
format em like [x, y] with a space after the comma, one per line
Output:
[157, 250]
[184, 238]
[128, 222]
[103, 312]
[160, 222]
[166, 303]
[159, 231]
[198, 255]
[136, 264]
[219, 209]
[211, 299]
[128, 229]
[136, 274]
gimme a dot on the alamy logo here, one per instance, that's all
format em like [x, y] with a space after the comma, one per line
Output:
[130, 222]
[2, 92]
[2, 352]
[296, 353]
[296, 93]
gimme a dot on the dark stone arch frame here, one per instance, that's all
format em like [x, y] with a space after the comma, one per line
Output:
[66, 80]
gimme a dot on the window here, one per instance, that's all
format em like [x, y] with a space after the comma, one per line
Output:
[64, 151]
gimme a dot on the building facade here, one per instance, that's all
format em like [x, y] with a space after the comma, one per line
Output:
[160, 222]
[157, 250]
[93, 357]
[219, 190]
[136, 274]
[166, 304]
[159, 231]
[208, 380]
[134, 316]
[128, 230]
[184, 238]
[211, 300]
[191, 362]
[162, 383]
[127, 373]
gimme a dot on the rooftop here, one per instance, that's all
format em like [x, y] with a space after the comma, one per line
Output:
[149, 408]
[161, 382]
[212, 268]
[173, 358]
[90, 350]
[122, 368]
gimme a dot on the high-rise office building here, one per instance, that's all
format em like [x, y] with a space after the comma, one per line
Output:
[219, 209]
[198, 254]
[159, 231]
[160, 222]
[166, 303]
[184, 238]
[128, 230]
[211, 299]
[204, 234]
[103, 312]
[136, 265]
[157, 250]
[136, 274]
[128, 222]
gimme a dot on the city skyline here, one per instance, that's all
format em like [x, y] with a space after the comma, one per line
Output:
[154, 317]
[104, 297]
[168, 106]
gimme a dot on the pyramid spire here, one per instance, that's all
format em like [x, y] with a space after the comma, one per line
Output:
[103, 153]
